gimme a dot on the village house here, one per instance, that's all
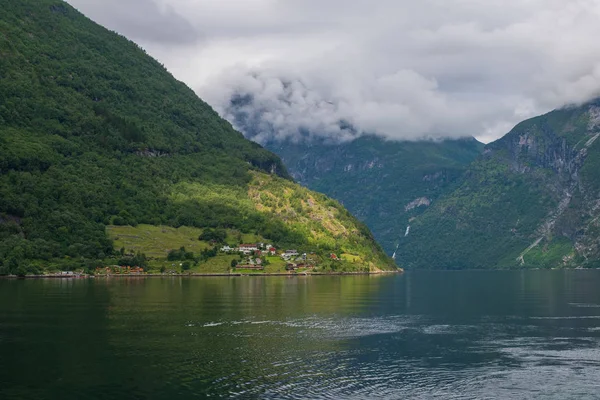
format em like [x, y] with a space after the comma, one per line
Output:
[259, 249]
[302, 257]
[267, 248]
[294, 266]
[291, 267]
[289, 254]
[227, 249]
[248, 248]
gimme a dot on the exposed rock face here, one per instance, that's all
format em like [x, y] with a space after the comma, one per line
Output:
[421, 201]
[532, 199]
[529, 151]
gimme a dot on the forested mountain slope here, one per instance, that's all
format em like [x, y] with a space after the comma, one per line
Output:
[531, 200]
[384, 183]
[94, 132]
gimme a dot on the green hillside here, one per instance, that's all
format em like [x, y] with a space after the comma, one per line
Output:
[95, 133]
[531, 200]
[383, 183]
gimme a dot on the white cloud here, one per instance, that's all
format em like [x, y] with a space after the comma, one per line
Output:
[403, 69]
[141, 20]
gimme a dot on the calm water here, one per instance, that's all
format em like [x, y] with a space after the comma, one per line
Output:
[488, 335]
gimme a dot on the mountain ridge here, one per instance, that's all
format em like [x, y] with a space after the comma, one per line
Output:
[94, 132]
[530, 200]
[385, 183]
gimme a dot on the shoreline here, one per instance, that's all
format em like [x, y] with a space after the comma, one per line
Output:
[200, 275]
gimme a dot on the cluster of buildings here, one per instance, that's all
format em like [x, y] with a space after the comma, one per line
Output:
[292, 266]
[293, 258]
[252, 263]
[291, 254]
[296, 260]
[248, 249]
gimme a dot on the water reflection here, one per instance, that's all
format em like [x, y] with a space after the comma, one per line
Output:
[419, 335]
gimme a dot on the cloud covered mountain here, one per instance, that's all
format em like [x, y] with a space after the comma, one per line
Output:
[398, 68]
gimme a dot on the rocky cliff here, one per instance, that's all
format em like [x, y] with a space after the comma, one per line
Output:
[531, 200]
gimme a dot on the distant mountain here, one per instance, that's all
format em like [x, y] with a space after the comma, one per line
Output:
[94, 132]
[384, 183]
[531, 200]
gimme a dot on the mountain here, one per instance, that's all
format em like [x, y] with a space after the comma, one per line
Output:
[95, 134]
[531, 200]
[384, 183]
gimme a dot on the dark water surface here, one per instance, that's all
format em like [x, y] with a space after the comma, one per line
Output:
[488, 335]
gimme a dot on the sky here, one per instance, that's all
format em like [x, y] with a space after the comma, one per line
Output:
[402, 69]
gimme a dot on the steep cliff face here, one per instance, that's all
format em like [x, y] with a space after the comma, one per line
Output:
[531, 199]
[556, 141]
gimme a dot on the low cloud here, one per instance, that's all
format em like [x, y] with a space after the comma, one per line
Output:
[274, 104]
[402, 69]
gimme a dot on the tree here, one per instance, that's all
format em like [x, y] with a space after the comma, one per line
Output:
[179, 255]
[213, 235]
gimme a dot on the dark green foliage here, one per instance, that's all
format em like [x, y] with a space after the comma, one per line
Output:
[179, 255]
[375, 179]
[213, 235]
[137, 260]
[490, 217]
[591, 169]
[94, 132]
[537, 186]
[208, 253]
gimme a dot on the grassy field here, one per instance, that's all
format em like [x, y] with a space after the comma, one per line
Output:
[351, 257]
[157, 241]
[220, 264]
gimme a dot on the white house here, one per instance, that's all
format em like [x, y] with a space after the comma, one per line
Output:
[289, 254]
[248, 248]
